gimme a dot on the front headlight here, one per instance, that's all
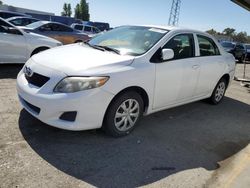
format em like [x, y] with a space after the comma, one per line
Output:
[75, 84]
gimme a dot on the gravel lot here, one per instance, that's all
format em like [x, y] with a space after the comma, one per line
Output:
[180, 147]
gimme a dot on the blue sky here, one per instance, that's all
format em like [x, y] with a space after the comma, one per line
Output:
[197, 14]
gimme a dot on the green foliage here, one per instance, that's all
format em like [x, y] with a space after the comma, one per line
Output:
[82, 11]
[66, 10]
[231, 33]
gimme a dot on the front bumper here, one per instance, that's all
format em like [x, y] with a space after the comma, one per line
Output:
[90, 105]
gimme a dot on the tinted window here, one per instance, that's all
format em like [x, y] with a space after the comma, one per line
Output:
[182, 45]
[17, 22]
[207, 46]
[2, 23]
[78, 27]
[87, 28]
[61, 28]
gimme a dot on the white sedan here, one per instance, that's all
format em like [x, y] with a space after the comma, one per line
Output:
[17, 46]
[117, 77]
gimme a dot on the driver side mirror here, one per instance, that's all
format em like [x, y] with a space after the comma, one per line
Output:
[167, 54]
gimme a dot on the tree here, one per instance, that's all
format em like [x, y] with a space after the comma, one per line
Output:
[82, 10]
[66, 10]
[77, 12]
[241, 37]
[229, 31]
[1, 2]
[69, 10]
[212, 32]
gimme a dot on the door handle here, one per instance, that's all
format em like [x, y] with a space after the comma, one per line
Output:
[196, 66]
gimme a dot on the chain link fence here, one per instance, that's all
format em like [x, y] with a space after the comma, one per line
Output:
[243, 72]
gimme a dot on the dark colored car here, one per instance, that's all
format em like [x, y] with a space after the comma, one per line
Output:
[248, 52]
[22, 21]
[9, 14]
[237, 49]
[58, 31]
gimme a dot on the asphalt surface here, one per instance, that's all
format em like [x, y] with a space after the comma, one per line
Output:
[179, 147]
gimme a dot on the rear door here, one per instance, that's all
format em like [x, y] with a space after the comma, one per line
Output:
[13, 47]
[211, 65]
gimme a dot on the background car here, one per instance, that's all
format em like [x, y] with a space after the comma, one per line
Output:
[247, 52]
[22, 21]
[86, 28]
[237, 49]
[17, 46]
[58, 31]
[9, 14]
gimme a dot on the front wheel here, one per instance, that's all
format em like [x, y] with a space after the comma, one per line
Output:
[219, 92]
[123, 114]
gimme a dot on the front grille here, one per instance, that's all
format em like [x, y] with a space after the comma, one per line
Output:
[37, 79]
[32, 107]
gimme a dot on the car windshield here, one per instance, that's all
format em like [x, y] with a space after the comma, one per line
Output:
[228, 45]
[35, 25]
[129, 40]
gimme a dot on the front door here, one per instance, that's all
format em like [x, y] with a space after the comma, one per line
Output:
[176, 79]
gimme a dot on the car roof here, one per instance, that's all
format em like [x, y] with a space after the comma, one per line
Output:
[17, 17]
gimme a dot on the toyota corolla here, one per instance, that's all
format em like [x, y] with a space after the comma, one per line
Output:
[119, 76]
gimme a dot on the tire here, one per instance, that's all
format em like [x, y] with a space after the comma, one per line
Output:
[123, 114]
[38, 50]
[219, 92]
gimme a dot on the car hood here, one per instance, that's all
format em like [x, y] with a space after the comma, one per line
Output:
[80, 59]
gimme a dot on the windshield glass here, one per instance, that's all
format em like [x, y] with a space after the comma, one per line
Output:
[228, 45]
[129, 40]
[35, 25]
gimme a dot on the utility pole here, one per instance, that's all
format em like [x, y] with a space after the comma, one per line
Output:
[175, 12]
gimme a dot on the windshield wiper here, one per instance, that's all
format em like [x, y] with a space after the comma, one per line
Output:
[108, 49]
[94, 46]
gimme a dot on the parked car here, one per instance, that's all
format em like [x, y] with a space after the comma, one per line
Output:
[237, 49]
[60, 32]
[17, 46]
[22, 21]
[86, 29]
[116, 77]
[247, 52]
[9, 14]
[59, 19]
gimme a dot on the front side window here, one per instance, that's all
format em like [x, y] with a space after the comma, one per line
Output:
[78, 27]
[130, 40]
[182, 45]
[207, 46]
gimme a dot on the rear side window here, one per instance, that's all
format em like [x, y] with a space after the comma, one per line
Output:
[207, 46]
[88, 29]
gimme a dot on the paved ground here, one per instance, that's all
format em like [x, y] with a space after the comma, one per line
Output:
[180, 147]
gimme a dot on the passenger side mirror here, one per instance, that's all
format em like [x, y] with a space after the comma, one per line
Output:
[167, 54]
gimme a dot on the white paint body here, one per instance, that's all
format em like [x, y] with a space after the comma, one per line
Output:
[167, 84]
[17, 48]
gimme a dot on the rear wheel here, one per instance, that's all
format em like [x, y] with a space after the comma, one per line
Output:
[123, 114]
[219, 92]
